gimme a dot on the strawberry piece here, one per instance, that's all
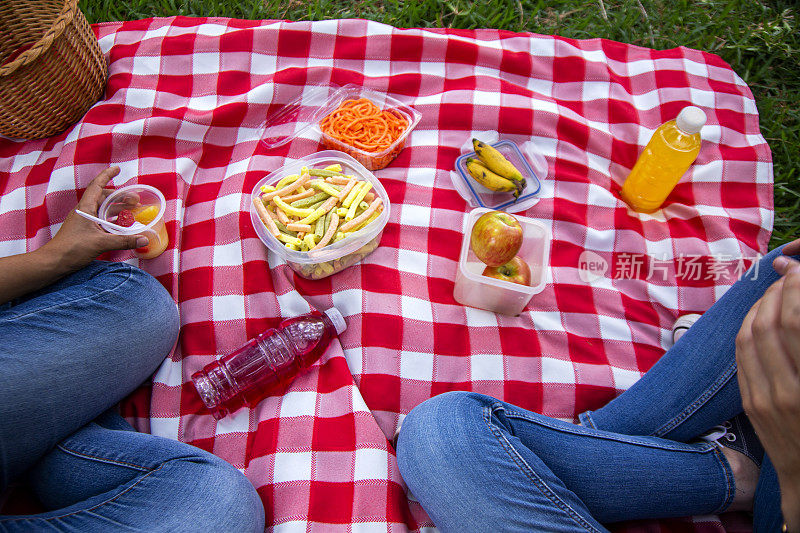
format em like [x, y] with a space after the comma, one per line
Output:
[125, 218]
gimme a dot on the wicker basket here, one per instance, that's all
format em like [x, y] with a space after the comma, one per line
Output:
[51, 67]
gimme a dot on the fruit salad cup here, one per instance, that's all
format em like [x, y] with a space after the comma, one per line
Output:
[140, 210]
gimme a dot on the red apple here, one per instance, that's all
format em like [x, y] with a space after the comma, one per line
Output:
[496, 238]
[515, 271]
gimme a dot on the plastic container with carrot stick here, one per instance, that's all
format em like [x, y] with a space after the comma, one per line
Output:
[370, 126]
[334, 227]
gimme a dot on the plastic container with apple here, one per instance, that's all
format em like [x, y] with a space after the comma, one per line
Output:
[474, 289]
[525, 157]
[303, 114]
[333, 258]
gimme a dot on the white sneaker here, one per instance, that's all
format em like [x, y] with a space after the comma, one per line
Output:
[682, 325]
[397, 431]
[396, 434]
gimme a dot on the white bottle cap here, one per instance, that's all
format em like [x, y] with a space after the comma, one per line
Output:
[691, 120]
[337, 319]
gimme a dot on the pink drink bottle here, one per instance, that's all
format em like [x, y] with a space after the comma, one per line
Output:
[266, 362]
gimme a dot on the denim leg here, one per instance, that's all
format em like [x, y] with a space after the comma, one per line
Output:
[74, 349]
[693, 387]
[767, 515]
[478, 464]
[102, 480]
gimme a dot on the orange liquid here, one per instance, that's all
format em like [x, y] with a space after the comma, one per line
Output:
[666, 158]
[158, 242]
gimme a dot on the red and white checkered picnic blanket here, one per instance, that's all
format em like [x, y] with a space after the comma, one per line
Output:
[182, 110]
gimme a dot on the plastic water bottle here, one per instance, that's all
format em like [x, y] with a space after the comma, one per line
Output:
[670, 152]
[266, 362]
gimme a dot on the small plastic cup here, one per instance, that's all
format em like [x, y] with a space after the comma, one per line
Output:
[138, 198]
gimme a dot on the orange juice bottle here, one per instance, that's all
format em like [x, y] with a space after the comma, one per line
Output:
[670, 152]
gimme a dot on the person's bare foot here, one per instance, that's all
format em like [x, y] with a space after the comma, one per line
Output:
[745, 476]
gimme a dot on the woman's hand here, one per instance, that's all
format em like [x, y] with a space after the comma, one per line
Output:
[793, 248]
[768, 358]
[79, 241]
[782, 264]
[76, 244]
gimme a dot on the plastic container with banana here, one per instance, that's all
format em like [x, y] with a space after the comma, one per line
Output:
[499, 176]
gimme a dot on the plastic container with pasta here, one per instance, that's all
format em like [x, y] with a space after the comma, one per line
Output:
[336, 256]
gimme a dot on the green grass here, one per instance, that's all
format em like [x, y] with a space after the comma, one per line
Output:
[759, 38]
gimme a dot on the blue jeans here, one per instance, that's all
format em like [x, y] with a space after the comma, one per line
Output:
[479, 464]
[69, 353]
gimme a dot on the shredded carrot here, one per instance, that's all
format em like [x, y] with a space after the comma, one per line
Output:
[362, 124]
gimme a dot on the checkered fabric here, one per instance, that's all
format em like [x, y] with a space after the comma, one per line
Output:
[182, 111]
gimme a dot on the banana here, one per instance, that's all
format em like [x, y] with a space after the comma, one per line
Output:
[497, 163]
[489, 179]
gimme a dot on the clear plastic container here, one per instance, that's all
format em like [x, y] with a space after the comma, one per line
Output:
[305, 112]
[476, 290]
[137, 199]
[479, 196]
[317, 264]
